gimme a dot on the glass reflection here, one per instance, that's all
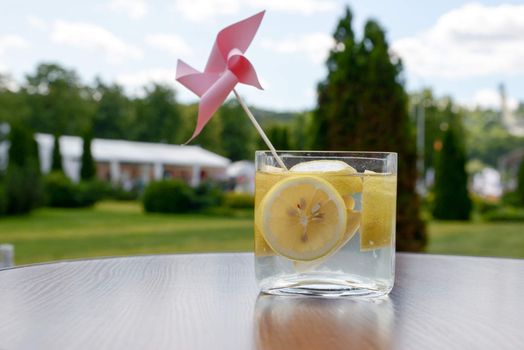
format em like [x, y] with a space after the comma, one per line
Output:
[319, 323]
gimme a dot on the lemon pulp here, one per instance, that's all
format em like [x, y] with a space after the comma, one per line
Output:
[378, 211]
[302, 217]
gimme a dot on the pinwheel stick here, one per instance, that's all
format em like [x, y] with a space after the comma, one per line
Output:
[260, 131]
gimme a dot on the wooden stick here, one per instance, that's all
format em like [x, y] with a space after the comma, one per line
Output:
[260, 131]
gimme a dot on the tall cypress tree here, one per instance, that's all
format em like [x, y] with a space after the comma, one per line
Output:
[520, 182]
[23, 180]
[362, 106]
[452, 200]
[88, 166]
[56, 164]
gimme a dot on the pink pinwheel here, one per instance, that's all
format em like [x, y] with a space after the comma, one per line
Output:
[226, 67]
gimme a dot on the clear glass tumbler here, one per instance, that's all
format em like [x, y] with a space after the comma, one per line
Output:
[325, 225]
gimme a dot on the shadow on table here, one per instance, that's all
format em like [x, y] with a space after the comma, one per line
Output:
[315, 323]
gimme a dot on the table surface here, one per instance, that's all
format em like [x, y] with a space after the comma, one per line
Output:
[206, 301]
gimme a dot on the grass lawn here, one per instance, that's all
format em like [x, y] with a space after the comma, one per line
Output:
[505, 239]
[121, 228]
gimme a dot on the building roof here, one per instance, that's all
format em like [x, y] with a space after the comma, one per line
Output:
[105, 150]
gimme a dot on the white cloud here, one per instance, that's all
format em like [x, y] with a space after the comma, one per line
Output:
[306, 7]
[94, 38]
[315, 46]
[9, 43]
[36, 22]
[202, 10]
[171, 43]
[134, 82]
[134, 9]
[472, 40]
[490, 98]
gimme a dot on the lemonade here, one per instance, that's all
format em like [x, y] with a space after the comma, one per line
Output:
[325, 225]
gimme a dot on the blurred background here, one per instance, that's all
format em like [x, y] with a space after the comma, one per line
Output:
[91, 120]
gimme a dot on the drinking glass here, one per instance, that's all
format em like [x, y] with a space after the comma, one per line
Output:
[325, 225]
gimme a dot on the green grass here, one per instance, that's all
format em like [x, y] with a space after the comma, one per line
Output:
[502, 239]
[116, 228]
[121, 228]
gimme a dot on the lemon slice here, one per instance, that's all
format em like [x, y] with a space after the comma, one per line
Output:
[264, 180]
[379, 198]
[353, 223]
[303, 218]
[338, 173]
[323, 166]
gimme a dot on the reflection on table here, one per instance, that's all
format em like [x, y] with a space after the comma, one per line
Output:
[314, 323]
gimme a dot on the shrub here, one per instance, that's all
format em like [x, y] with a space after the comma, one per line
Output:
[207, 195]
[483, 205]
[3, 200]
[63, 193]
[239, 200]
[120, 194]
[511, 199]
[168, 196]
[505, 214]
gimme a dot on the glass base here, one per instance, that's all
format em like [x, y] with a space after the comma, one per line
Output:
[325, 287]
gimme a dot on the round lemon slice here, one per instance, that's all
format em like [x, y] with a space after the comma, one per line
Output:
[303, 218]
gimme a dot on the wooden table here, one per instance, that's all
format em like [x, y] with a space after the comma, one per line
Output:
[211, 301]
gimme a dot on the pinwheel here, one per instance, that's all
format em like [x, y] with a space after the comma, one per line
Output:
[226, 67]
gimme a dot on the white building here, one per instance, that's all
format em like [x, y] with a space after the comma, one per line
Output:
[242, 174]
[131, 163]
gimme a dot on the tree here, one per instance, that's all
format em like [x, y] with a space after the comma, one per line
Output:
[56, 164]
[58, 102]
[158, 116]
[210, 138]
[452, 200]
[23, 184]
[362, 106]
[114, 116]
[13, 105]
[279, 136]
[88, 166]
[520, 182]
[236, 134]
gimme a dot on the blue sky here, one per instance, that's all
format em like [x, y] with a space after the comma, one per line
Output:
[458, 48]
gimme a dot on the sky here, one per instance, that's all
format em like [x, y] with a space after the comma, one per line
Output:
[458, 48]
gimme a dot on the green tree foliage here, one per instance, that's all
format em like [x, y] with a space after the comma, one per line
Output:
[279, 136]
[452, 201]
[58, 102]
[300, 131]
[209, 138]
[487, 137]
[88, 166]
[114, 116]
[13, 104]
[158, 117]
[56, 164]
[23, 186]
[520, 183]
[237, 133]
[362, 105]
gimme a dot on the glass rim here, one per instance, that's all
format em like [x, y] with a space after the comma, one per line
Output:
[340, 153]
